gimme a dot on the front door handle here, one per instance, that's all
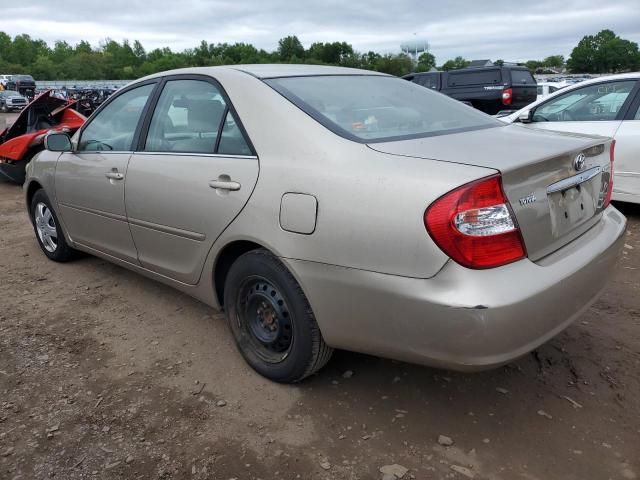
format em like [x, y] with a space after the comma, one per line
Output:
[114, 175]
[224, 184]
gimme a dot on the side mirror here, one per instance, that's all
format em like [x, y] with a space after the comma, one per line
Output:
[57, 142]
[526, 116]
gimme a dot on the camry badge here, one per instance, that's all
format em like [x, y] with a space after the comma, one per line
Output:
[531, 198]
[579, 162]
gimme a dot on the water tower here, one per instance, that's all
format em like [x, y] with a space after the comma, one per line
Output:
[414, 48]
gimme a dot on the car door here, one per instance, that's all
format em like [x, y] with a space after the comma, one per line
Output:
[89, 181]
[593, 109]
[626, 185]
[192, 174]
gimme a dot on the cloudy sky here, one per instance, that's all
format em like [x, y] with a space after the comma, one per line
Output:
[471, 28]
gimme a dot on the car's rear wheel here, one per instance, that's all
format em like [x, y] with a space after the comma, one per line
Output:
[271, 320]
[48, 230]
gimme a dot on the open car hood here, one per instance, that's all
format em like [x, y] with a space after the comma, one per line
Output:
[44, 104]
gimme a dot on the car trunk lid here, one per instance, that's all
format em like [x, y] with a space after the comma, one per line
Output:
[553, 201]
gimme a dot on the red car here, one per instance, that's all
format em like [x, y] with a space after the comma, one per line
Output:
[22, 140]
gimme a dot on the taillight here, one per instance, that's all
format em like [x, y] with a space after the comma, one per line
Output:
[612, 154]
[507, 96]
[474, 225]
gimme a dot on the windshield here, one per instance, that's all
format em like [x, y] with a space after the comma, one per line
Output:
[369, 108]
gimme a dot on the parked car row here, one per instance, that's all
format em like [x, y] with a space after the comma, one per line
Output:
[25, 85]
[324, 207]
[607, 106]
[547, 88]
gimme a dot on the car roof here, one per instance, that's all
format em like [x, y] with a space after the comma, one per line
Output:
[265, 71]
[297, 70]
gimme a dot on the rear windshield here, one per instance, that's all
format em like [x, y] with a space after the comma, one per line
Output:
[369, 108]
[519, 77]
[478, 77]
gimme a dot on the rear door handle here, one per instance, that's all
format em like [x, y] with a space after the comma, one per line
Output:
[224, 185]
[114, 175]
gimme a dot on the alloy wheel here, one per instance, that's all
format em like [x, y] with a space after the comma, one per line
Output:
[46, 227]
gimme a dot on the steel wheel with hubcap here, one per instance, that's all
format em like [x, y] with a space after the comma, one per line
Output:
[271, 320]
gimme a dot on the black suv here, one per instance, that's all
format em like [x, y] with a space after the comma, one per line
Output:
[490, 89]
[23, 84]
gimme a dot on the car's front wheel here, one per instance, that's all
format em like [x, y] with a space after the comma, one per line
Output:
[271, 319]
[48, 230]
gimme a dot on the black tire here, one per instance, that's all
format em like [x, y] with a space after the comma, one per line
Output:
[4, 108]
[57, 249]
[271, 320]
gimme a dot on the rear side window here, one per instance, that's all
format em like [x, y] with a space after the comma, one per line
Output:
[369, 108]
[429, 81]
[192, 117]
[480, 77]
[187, 118]
[232, 142]
[519, 77]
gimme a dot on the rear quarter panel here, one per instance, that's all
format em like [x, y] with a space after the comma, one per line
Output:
[370, 204]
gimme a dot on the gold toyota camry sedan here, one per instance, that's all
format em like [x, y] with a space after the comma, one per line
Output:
[325, 207]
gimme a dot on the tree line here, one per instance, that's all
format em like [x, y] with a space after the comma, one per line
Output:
[604, 52]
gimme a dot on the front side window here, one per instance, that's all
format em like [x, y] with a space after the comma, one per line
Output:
[369, 108]
[114, 127]
[187, 118]
[600, 102]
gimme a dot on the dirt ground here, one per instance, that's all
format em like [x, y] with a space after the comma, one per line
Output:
[105, 374]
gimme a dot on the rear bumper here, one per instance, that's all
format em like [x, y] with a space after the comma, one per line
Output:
[463, 319]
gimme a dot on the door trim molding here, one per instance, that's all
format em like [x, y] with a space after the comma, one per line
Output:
[199, 237]
[100, 213]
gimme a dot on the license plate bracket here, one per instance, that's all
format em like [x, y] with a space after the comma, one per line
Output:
[574, 205]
